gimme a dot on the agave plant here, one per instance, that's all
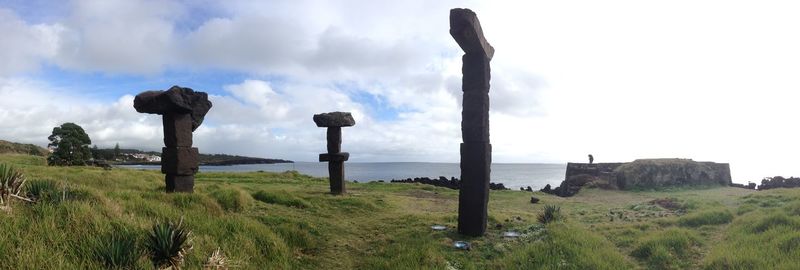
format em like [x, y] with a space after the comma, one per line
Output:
[549, 214]
[117, 250]
[168, 244]
[11, 183]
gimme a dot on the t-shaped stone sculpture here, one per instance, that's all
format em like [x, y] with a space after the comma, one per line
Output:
[334, 121]
[182, 111]
[476, 151]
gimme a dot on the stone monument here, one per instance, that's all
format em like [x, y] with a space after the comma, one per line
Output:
[334, 121]
[182, 110]
[476, 151]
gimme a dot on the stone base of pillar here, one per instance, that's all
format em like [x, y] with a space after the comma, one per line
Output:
[336, 172]
[473, 196]
[179, 183]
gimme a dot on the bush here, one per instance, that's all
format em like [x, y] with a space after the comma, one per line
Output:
[550, 213]
[43, 191]
[168, 244]
[11, 183]
[706, 218]
[117, 250]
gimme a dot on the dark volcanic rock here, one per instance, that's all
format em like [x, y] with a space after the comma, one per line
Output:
[334, 119]
[534, 200]
[179, 100]
[779, 182]
[466, 30]
[476, 151]
[452, 183]
[183, 111]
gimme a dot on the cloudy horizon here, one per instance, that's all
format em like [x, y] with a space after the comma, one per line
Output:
[622, 80]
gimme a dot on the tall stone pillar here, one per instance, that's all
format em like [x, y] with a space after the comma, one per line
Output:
[476, 151]
[182, 111]
[334, 121]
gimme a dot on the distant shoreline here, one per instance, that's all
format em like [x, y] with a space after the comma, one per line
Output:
[218, 163]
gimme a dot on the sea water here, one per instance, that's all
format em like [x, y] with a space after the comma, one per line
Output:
[512, 175]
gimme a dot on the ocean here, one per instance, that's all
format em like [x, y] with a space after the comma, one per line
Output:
[512, 175]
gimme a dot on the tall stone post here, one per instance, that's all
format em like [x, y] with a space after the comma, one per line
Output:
[476, 151]
[182, 111]
[334, 121]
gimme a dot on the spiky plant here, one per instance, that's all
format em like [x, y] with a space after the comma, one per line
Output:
[43, 190]
[11, 184]
[216, 260]
[168, 244]
[549, 214]
[117, 250]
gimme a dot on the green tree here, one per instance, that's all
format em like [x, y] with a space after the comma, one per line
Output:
[117, 151]
[70, 146]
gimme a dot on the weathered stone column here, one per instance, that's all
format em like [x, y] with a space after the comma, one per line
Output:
[476, 151]
[182, 111]
[334, 121]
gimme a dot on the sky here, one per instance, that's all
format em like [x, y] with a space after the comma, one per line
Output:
[621, 80]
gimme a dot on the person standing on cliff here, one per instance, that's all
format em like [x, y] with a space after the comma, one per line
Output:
[591, 159]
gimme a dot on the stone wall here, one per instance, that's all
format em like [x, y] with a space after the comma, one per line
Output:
[641, 173]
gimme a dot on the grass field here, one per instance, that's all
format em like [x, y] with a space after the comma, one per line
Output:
[288, 221]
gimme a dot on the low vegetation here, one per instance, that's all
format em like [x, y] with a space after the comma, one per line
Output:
[90, 218]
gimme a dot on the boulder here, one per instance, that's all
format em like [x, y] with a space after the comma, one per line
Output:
[177, 100]
[334, 119]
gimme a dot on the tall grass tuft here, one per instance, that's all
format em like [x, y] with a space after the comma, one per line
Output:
[11, 184]
[168, 244]
[669, 249]
[232, 199]
[706, 218]
[550, 213]
[117, 250]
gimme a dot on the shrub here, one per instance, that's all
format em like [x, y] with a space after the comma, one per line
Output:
[11, 184]
[43, 190]
[706, 218]
[117, 250]
[550, 213]
[168, 244]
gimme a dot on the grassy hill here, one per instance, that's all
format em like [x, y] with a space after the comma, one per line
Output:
[7, 147]
[288, 221]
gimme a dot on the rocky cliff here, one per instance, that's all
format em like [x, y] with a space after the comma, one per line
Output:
[641, 173]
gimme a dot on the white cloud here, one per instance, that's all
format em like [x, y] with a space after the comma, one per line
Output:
[24, 46]
[119, 36]
[618, 79]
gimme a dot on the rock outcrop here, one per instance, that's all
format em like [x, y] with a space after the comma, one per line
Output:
[778, 182]
[642, 173]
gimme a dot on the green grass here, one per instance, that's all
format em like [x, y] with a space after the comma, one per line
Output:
[85, 218]
[667, 249]
[715, 217]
